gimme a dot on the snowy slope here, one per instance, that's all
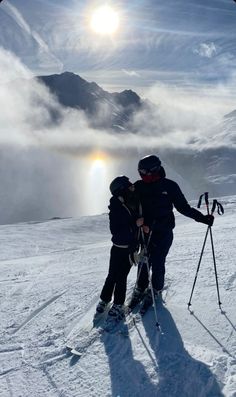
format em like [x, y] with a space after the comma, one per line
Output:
[51, 274]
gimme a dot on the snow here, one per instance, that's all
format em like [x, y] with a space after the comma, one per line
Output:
[51, 274]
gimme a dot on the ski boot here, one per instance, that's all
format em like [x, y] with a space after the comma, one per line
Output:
[148, 301]
[116, 312]
[136, 297]
[101, 307]
[115, 315]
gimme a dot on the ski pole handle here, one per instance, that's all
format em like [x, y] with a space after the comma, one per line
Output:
[215, 204]
[205, 195]
[220, 209]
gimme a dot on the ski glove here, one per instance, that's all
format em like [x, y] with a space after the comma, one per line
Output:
[208, 220]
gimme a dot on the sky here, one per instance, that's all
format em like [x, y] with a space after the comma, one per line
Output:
[180, 55]
[176, 42]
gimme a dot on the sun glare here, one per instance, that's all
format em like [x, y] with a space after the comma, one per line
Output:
[96, 184]
[104, 20]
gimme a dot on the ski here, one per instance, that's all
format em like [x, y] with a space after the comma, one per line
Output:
[93, 326]
[85, 343]
[90, 331]
[87, 334]
[75, 352]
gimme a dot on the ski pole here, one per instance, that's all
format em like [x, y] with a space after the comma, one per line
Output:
[220, 211]
[198, 266]
[149, 275]
[205, 195]
[142, 258]
[142, 262]
[216, 277]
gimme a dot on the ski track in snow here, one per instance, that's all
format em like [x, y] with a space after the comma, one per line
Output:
[37, 311]
[51, 274]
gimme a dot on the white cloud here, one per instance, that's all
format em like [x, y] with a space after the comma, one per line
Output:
[131, 73]
[11, 68]
[206, 50]
[186, 118]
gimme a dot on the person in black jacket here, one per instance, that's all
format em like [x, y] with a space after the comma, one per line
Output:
[158, 195]
[124, 220]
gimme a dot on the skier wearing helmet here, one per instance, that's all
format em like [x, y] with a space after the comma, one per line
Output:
[124, 220]
[158, 195]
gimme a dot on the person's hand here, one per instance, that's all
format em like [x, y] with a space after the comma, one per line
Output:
[208, 220]
[146, 229]
[139, 222]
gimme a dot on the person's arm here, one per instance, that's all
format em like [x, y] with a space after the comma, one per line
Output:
[184, 208]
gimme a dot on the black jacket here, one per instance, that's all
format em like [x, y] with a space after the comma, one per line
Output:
[158, 199]
[122, 223]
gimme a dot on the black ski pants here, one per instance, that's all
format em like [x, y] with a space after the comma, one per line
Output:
[116, 280]
[157, 251]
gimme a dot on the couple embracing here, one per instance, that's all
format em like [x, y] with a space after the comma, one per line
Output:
[143, 209]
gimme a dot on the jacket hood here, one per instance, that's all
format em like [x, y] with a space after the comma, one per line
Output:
[115, 202]
[162, 172]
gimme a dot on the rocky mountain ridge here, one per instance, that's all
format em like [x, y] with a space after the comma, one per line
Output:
[104, 109]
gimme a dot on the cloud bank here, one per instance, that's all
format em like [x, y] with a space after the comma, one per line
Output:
[45, 164]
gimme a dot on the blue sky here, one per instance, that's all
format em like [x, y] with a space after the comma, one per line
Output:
[182, 43]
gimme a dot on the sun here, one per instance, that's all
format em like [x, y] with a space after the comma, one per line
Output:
[104, 20]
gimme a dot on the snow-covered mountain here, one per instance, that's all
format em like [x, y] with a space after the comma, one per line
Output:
[51, 275]
[210, 169]
[208, 162]
[218, 162]
[104, 110]
[229, 126]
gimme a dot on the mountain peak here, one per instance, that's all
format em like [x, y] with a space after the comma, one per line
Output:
[128, 97]
[75, 92]
[231, 114]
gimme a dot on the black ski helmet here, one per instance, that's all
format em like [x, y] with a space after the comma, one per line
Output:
[149, 164]
[119, 184]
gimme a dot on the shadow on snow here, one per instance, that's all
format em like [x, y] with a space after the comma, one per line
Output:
[128, 375]
[179, 373]
[172, 372]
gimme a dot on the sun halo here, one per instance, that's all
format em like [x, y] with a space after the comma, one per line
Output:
[98, 158]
